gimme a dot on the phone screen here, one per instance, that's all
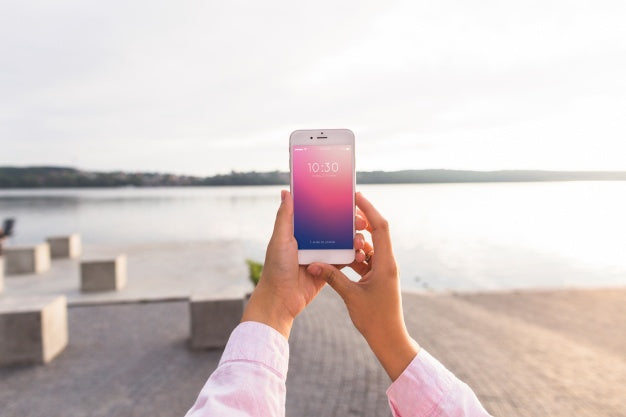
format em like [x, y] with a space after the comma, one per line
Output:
[323, 196]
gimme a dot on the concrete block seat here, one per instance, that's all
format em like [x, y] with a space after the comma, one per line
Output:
[33, 259]
[32, 329]
[65, 246]
[103, 275]
[213, 318]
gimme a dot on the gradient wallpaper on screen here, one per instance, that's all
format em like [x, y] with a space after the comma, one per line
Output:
[323, 196]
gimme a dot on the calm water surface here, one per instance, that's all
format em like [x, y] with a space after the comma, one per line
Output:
[446, 236]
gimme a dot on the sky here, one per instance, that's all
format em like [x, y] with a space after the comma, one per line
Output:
[206, 87]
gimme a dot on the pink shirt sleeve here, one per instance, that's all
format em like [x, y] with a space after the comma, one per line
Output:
[250, 378]
[427, 389]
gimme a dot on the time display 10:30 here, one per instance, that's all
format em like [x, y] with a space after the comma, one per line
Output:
[323, 167]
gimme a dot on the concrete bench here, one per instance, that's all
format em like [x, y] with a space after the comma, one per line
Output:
[27, 259]
[213, 318]
[1, 274]
[65, 246]
[32, 329]
[103, 275]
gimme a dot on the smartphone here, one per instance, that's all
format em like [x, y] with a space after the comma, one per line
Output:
[322, 186]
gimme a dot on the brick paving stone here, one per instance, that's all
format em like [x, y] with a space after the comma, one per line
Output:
[557, 353]
[526, 361]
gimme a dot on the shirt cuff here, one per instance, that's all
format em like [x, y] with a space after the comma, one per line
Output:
[421, 387]
[252, 341]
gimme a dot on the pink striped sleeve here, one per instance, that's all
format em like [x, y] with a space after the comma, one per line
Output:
[250, 378]
[427, 389]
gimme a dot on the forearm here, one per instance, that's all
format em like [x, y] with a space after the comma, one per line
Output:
[264, 308]
[394, 348]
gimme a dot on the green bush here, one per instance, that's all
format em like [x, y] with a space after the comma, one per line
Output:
[255, 269]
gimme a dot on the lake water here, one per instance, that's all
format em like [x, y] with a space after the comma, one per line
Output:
[446, 236]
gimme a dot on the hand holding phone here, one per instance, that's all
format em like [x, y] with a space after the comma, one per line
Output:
[375, 301]
[286, 288]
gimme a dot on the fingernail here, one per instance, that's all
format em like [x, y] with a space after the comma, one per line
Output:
[283, 194]
[315, 270]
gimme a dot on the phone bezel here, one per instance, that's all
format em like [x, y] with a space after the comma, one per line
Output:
[313, 137]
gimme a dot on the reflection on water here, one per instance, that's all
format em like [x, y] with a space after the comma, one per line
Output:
[452, 236]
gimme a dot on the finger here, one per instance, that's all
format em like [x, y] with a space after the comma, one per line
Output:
[363, 249]
[378, 226]
[283, 227]
[359, 222]
[368, 251]
[359, 241]
[334, 277]
[362, 215]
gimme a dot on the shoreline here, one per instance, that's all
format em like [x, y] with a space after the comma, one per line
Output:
[286, 185]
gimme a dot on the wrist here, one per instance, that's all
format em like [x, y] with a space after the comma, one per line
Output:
[394, 350]
[266, 310]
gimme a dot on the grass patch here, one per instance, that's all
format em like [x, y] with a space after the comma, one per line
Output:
[255, 268]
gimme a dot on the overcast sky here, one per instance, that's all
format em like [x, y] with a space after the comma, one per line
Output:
[204, 87]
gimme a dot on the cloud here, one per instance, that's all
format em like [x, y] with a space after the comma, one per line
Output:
[204, 87]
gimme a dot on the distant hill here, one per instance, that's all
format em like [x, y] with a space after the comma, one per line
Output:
[50, 176]
[448, 175]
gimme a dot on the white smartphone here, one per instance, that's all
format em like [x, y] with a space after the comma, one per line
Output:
[322, 186]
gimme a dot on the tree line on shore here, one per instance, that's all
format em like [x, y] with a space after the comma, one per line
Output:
[49, 177]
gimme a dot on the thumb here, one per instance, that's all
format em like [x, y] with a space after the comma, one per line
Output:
[283, 227]
[334, 277]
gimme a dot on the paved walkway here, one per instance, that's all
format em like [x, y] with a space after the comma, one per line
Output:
[159, 271]
[548, 353]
